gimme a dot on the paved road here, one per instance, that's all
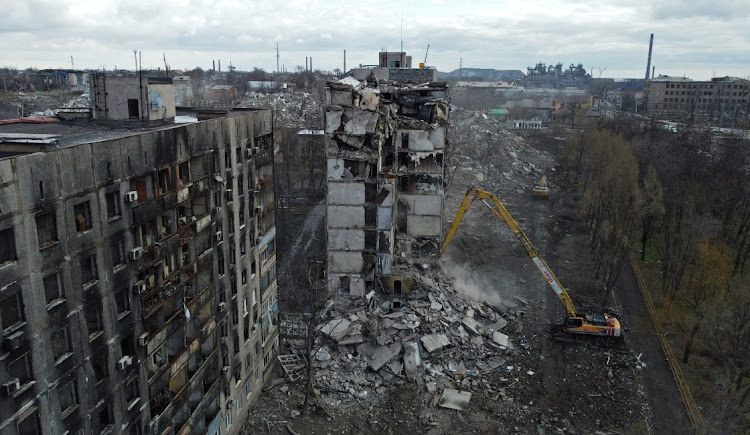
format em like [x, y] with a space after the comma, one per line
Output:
[669, 413]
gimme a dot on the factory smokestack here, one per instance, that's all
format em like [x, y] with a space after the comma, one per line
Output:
[650, 47]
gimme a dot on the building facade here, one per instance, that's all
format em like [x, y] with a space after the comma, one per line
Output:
[681, 96]
[385, 177]
[138, 279]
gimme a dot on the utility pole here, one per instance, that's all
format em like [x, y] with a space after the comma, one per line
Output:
[135, 55]
[166, 67]
[72, 64]
[344, 61]
[277, 59]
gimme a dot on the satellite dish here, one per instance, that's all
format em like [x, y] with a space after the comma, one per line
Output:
[155, 100]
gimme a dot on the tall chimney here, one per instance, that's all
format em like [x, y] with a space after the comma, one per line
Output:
[653, 71]
[214, 63]
[219, 65]
[650, 47]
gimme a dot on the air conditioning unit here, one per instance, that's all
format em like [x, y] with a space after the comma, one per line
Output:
[222, 307]
[229, 194]
[225, 370]
[11, 387]
[136, 253]
[218, 210]
[139, 287]
[182, 220]
[13, 341]
[257, 150]
[131, 196]
[143, 339]
[217, 236]
[249, 152]
[124, 362]
[259, 209]
[255, 327]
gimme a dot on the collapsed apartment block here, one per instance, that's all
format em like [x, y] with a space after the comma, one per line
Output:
[385, 147]
[137, 274]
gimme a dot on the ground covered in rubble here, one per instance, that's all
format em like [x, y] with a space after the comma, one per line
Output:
[469, 349]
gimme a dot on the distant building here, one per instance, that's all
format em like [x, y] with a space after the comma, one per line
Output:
[222, 94]
[134, 98]
[183, 90]
[394, 59]
[395, 66]
[680, 96]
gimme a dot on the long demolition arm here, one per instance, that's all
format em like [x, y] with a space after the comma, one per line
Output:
[501, 212]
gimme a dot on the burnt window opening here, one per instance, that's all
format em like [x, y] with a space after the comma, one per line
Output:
[68, 397]
[144, 187]
[21, 368]
[131, 391]
[7, 246]
[227, 160]
[94, 322]
[11, 311]
[122, 301]
[424, 247]
[371, 238]
[30, 424]
[401, 217]
[126, 346]
[105, 417]
[388, 161]
[404, 140]
[371, 216]
[46, 230]
[60, 342]
[184, 173]
[41, 189]
[88, 269]
[113, 205]
[371, 191]
[165, 181]
[384, 244]
[133, 108]
[53, 289]
[117, 250]
[82, 213]
[99, 364]
[403, 184]
[354, 169]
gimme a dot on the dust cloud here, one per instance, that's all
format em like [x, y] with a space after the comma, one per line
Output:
[476, 286]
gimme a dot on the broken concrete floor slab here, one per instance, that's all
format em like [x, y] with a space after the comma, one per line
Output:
[455, 399]
[376, 355]
[336, 328]
[433, 342]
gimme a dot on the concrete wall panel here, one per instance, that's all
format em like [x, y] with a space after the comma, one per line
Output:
[421, 226]
[345, 217]
[346, 193]
[346, 240]
[345, 262]
[425, 205]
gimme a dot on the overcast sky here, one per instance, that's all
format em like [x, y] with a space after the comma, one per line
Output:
[696, 38]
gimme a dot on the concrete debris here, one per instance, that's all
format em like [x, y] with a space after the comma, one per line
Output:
[412, 359]
[433, 342]
[293, 365]
[455, 399]
[336, 328]
[377, 355]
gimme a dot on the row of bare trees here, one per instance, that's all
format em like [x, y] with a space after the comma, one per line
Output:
[683, 199]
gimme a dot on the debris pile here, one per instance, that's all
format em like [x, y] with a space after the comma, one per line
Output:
[82, 101]
[431, 336]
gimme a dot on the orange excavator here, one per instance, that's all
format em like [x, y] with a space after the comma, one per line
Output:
[595, 324]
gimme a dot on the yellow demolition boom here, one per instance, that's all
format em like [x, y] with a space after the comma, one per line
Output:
[602, 324]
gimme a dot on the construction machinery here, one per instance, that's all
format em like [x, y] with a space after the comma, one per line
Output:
[540, 189]
[596, 324]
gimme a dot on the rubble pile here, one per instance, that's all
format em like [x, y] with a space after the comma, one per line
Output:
[82, 101]
[432, 336]
[483, 139]
[297, 108]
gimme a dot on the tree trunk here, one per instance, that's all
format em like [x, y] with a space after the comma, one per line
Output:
[691, 339]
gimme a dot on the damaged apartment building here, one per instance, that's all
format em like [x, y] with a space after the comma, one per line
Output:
[385, 148]
[137, 268]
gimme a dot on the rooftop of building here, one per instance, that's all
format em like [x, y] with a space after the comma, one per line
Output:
[29, 135]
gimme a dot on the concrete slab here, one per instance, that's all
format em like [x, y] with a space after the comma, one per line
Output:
[455, 399]
[377, 356]
[472, 324]
[501, 339]
[433, 342]
[412, 359]
[336, 328]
